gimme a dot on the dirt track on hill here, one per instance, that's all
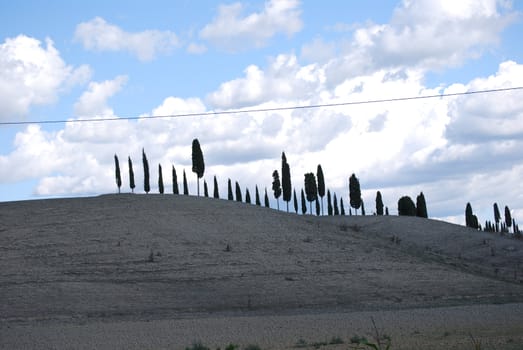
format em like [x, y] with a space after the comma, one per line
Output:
[126, 259]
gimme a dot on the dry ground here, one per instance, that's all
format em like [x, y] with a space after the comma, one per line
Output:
[159, 272]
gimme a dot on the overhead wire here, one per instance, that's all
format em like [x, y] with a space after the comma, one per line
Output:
[258, 110]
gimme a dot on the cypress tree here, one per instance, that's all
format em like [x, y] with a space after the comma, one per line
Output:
[329, 203]
[258, 202]
[185, 187]
[303, 203]
[321, 185]
[354, 193]
[117, 172]
[266, 199]
[295, 201]
[160, 179]
[238, 192]
[176, 190]
[379, 204]
[216, 194]
[146, 184]
[276, 187]
[508, 217]
[198, 165]
[286, 180]
[311, 189]
[421, 206]
[131, 174]
[205, 189]
[247, 196]
[406, 206]
[469, 216]
[317, 206]
[342, 207]
[229, 190]
[335, 200]
[387, 211]
[497, 216]
[362, 208]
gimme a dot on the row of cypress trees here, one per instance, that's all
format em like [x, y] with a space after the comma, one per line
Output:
[499, 226]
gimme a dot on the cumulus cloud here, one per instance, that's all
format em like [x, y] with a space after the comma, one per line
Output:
[33, 74]
[93, 102]
[99, 35]
[232, 31]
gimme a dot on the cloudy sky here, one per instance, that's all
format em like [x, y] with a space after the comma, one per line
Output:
[64, 60]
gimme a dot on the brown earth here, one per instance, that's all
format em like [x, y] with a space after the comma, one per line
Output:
[162, 271]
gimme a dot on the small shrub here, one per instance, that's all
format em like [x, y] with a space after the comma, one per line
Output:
[356, 339]
[232, 347]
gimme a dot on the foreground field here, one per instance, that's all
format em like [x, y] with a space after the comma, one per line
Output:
[109, 272]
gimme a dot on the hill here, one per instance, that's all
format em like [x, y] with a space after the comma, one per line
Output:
[131, 258]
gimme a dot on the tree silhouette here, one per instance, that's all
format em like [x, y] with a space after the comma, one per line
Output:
[160, 179]
[342, 207]
[198, 166]
[229, 190]
[276, 187]
[257, 199]
[335, 200]
[131, 174]
[266, 199]
[247, 196]
[238, 192]
[303, 203]
[362, 208]
[117, 172]
[317, 206]
[387, 211]
[176, 190]
[354, 193]
[295, 201]
[205, 189]
[216, 194]
[146, 184]
[421, 206]
[406, 206]
[379, 204]
[185, 187]
[508, 217]
[311, 189]
[497, 216]
[329, 203]
[321, 185]
[469, 216]
[286, 180]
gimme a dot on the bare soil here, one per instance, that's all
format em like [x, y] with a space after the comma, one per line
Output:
[161, 271]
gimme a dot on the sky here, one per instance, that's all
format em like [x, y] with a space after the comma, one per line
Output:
[66, 61]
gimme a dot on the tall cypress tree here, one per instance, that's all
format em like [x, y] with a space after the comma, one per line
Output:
[238, 192]
[497, 216]
[160, 179]
[421, 206]
[205, 189]
[387, 211]
[317, 206]
[303, 203]
[131, 174]
[329, 203]
[258, 201]
[321, 185]
[146, 183]
[362, 208]
[266, 199]
[229, 190]
[276, 187]
[247, 196]
[311, 189]
[469, 220]
[379, 204]
[508, 217]
[295, 201]
[342, 207]
[176, 190]
[198, 165]
[354, 193]
[286, 180]
[117, 172]
[185, 187]
[216, 194]
[335, 200]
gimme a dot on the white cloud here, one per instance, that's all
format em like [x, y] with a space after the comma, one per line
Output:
[233, 32]
[99, 35]
[31, 74]
[196, 49]
[93, 102]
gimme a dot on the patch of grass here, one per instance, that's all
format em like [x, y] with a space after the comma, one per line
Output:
[336, 341]
[252, 347]
[319, 344]
[232, 346]
[197, 346]
[301, 343]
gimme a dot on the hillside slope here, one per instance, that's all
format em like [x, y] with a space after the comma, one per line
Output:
[165, 256]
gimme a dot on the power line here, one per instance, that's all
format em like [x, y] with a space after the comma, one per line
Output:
[260, 110]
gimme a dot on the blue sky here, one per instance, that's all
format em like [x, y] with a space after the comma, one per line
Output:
[68, 60]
